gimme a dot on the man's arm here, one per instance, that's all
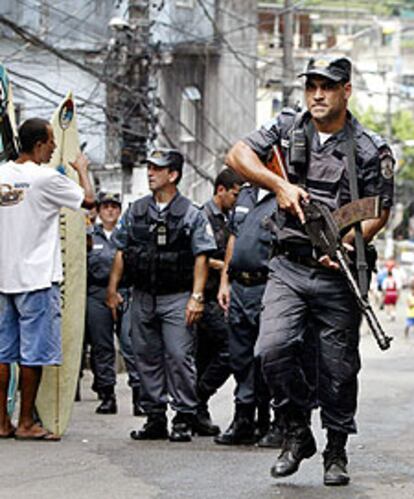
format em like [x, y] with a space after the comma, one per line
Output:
[81, 166]
[247, 164]
[370, 228]
[113, 298]
[195, 308]
[223, 296]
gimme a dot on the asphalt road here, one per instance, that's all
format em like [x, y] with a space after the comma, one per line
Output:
[97, 459]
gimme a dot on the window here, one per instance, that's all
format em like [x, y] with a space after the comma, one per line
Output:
[190, 99]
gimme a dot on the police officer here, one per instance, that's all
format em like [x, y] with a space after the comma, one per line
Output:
[212, 359]
[163, 242]
[326, 151]
[246, 266]
[100, 323]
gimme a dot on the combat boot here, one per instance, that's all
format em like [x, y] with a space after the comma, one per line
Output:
[298, 444]
[202, 424]
[274, 437]
[181, 427]
[155, 428]
[108, 404]
[241, 430]
[137, 410]
[335, 460]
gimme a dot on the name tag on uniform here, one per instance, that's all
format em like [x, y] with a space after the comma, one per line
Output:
[98, 246]
[242, 209]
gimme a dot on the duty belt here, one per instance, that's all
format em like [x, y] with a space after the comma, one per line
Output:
[249, 278]
[296, 253]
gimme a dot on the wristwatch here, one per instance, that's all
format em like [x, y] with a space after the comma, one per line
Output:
[198, 297]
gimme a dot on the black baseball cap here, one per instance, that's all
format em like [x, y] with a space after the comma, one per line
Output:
[164, 158]
[334, 68]
[108, 197]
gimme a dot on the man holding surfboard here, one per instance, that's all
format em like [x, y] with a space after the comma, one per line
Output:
[31, 197]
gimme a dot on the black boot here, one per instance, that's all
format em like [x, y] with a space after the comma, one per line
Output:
[155, 428]
[241, 430]
[298, 444]
[181, 427]
[274, 437]
[202, 424]
[263, 420]
[137, 410]
[108, 404]
[335, 459]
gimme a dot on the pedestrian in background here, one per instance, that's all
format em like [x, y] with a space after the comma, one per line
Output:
[409, 321]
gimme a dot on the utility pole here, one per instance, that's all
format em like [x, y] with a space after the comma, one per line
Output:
[133, 116]
[288, 65]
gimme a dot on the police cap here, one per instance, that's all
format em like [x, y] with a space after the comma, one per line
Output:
[108, 197]
[334, 68]
[164, 158]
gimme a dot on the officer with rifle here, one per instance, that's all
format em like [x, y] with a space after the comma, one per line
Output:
[163, 243]
[330, 159]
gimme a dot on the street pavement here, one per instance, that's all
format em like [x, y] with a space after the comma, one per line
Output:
[97, 459]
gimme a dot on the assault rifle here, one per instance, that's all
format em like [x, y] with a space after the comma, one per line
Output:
[325, 230]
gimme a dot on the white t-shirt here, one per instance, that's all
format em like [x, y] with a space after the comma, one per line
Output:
[30, 200]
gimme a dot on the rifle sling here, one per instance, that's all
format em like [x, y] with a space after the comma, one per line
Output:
[361, 262]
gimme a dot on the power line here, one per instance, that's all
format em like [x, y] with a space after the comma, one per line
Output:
[224, 39]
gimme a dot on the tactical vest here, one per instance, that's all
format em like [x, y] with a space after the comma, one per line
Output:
[325, 175]
[159, 258]
[100, 258]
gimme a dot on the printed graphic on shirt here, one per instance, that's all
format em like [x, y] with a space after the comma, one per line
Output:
[9, 195]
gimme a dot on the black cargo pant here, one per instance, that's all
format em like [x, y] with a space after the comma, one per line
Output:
[296, 298]
[102, 330]
[212, 358]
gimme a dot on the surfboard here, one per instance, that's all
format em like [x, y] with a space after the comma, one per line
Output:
[57, 389]
[8, 150]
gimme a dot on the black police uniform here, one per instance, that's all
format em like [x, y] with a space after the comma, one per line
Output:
[159, 247]
[250, 224]
[301, 292]
[212, 359]
[100, 324]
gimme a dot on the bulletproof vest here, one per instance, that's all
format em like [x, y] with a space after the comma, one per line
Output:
[159, 256]
[221, 236]
[324, 174]
[254, 239]
[100, 258]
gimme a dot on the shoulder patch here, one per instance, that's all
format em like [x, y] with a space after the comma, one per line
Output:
[387, 162]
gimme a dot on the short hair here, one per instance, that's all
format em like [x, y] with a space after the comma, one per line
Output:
[227, 178]
[32, 131]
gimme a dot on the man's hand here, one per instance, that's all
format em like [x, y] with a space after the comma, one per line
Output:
[327, 262]
[113, 300]
[193, 311]
[223, 296]
[290, 198]
[81, 163]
